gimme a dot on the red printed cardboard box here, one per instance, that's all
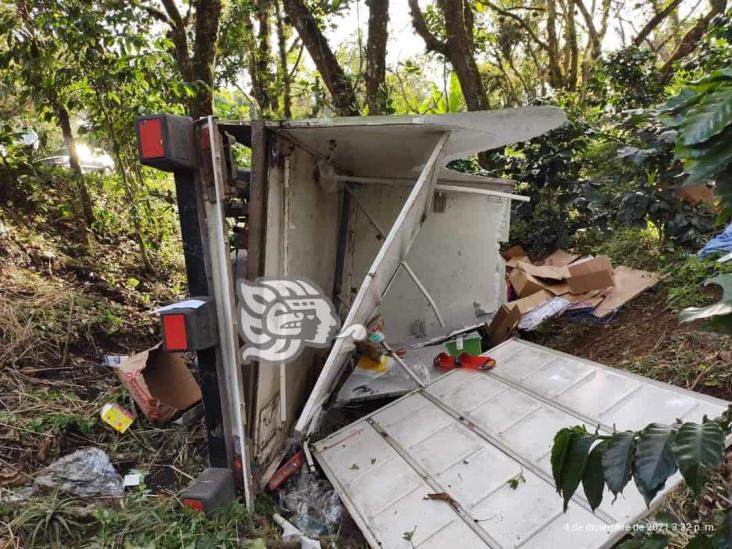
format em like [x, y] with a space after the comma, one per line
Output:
[160, 382]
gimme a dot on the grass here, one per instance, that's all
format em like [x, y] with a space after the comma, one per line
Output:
[139, 520]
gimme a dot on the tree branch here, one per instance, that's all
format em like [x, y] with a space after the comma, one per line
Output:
[543, 45]
[690, 40]
[656, 20]
[420, 27]
[591, 30]
[330, 70]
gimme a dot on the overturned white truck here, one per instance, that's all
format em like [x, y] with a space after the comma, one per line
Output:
[366, 211]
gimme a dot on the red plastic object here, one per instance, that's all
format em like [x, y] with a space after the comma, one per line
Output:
[195, 504]
[151, 138]
[445, 361]
[473, 362]
[286, 471]
[174, 333]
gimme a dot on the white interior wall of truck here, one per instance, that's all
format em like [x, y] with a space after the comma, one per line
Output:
[302, 229]
[369, 297]
[455, 256]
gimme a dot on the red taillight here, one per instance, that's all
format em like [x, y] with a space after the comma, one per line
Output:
[195, 504]
[174, 333]
[150, 132]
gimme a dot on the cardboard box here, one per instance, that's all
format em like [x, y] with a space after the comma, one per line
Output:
[504, 323]
[591, 274]
[529, 303]
[523, 283]
[545, 271]
[628, 284]
[515, 255]
[514, 251]
[160, 382]
[560, 258]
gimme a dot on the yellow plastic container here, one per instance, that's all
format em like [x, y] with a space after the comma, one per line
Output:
[117, 417]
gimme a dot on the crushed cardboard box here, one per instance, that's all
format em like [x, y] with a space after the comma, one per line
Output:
[160, 382]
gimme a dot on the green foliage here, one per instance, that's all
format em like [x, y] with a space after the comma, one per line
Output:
[625, 79]
[569, 456]
[649, 457]
[702, 113]
[654, 460]
[698, 449]
[617, 461]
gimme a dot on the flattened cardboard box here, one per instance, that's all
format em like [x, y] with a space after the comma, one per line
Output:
[160, 382]
[629, 283]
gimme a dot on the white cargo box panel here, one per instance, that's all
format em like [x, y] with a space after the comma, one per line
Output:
[468, 433]
[380, 273]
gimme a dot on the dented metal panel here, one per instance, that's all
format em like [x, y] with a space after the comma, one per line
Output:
[468, 433]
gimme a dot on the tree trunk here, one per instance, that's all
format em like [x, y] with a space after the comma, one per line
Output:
[376, 96]
[335, 79]
[691, 39]
[654, 22]
[284, 71]
[64, 122]
[555, 70]
[208, 13]
[571, 46]
[461, 56]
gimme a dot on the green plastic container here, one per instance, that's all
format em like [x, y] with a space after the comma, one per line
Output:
[466, 343]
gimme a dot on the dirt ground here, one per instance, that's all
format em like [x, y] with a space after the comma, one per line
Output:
[645, 337]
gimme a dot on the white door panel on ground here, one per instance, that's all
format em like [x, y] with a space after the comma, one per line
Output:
[468, 433]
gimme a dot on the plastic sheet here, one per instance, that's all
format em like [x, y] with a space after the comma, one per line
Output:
[311, 504]
[86, 473]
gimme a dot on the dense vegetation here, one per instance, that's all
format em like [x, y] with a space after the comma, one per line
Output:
[85, 253]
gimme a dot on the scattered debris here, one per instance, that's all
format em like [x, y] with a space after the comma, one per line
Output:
[85, 473]
[514, 482]
[468, 343]
[442, 496]
[311, 504]
[563, 282]
[290, 534]
[290, 467]
[212, 491]
[160, 382]
[10, 476]
[117, 417]
[721, 243]
[133, 479]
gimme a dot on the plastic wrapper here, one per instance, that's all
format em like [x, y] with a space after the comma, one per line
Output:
[311, 504]
[85, 473]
